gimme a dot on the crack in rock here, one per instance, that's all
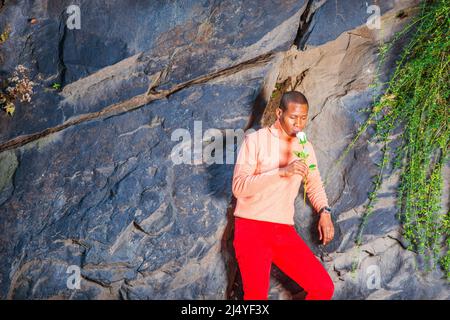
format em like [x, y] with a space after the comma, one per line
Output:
[136, 102]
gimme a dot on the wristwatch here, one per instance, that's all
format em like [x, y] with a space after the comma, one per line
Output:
[325, 209]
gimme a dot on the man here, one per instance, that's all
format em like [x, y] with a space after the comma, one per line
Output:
[266, 181]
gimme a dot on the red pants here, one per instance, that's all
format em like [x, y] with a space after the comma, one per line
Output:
[259, 243]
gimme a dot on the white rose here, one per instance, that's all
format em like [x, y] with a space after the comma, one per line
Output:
[301, 136]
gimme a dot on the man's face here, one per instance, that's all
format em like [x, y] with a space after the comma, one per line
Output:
[294, 119]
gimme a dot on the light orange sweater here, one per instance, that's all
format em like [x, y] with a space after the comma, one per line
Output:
[262, 194]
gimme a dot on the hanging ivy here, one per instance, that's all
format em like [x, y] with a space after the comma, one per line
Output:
[416, 102]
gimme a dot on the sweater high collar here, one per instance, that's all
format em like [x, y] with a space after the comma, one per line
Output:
[279, 132]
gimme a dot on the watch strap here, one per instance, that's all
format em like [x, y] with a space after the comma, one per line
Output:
[325, 208]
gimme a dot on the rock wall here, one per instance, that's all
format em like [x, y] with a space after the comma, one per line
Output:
[87, 177]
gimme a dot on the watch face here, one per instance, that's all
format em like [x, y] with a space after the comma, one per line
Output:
[325, 209]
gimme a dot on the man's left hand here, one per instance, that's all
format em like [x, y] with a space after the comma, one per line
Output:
[326, 228]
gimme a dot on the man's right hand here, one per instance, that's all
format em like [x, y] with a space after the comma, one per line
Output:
[295, 167]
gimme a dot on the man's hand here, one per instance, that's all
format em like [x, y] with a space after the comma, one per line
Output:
[295, 167]
[326, 228]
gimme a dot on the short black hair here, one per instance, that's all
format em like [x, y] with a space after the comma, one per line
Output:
[292, 96]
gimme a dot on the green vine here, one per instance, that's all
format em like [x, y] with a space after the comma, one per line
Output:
[416, 101]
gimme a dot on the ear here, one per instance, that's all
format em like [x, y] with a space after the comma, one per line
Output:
[278, 112]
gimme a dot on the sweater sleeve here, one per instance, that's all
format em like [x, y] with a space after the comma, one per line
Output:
[245, 182]
[314, 188]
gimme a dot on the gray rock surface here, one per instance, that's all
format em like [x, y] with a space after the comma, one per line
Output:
[88, 185]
